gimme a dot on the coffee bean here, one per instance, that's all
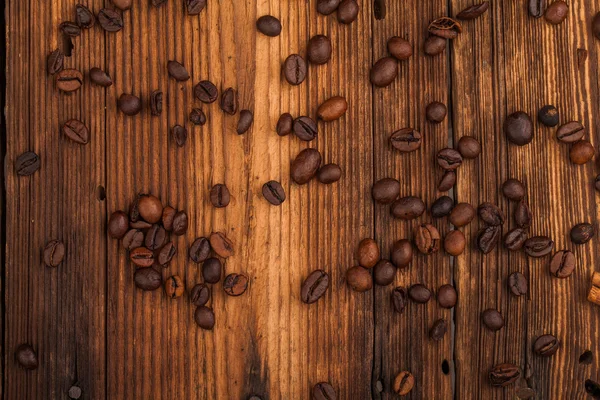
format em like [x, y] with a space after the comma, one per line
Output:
[323, 391]
[177, 71]
[129, 104]
[406, 140]
[492, 319]
[180, 223]
[368, 253]
[54, 253]
[384, 72]
[326, 7]
[305, 128]
[70, 29]
[385, 190]
[399, 48]
[474, 11]
[379, 9]
[55, 62]
[523, 215]
[447, 181]
[204, 317]
[329, 173]
[462, 214]
[211, 270]
[111, 21]
[399, 299]
[179, 135]
[229, 101]
[68, 80]
[150, 208]
[156, 102]
[347, 11]
[26, 356]
[596, 26]
[221, 244]
[245, 121]
[305, 166]
[582, 233]
[199, 250]
[332, 109]
[419, 293]
[548, 115]
[518, 128]
[537, 8]
[174, 287]
[571, 132]
[99, 77]
[427, 238]
[538, 246]
[197, 117]
[314, 286]
[434, 45]
[592, 388]
[75, 392]
[442, 207]
[546, 345]
[438, 330]
[517, 284]
[206, 92]
[562, 264]
[384, 273]
[556, 12]
[436, 112]
[147, 279]
[273, 192]
[123, 4]
[219, 196]
[294, 69]
[85, 18]
[469, 147]
[582, 152]
[515, 239]
[445, 27]
[407, 208]
[194, 7]
[155, 237]
[449, 159]
[490, 214]
[200, 294]
[268, 25]
[404, 383]
[133, 239]
[140, 225]
[284, 124]
[504, 374]
[76, 131]
[488, 238]
[446, 296]
[318, 50]
[166, 254]
[513, 190]
[455, 243]
[402, 253]
[118, 224]
[359, 279]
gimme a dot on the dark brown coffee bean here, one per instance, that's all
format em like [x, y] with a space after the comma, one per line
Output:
[284, 124]
[150, 208]
[332, 109]
[447, 181]
[147, 279]
[515, 239]
[518, 128]
[406, 140]
[596, 26]
[327, 7]
[111, 21]
[166, 254]
[556, 12]
[455, 243]
[490, 214]
[174, 287]
[384, 72]
[582, 152]
[329, 173]
[449, 159]
[438, 330]
[305, 128]
[26, 356]
[205, 317]
[129, 104]
[538, 246]
[442, 207]
[488, 238]
[548, 115]
[140, 225]
[200, 294]
[155, 237]
[407, 208]
[402, 253]
[399, 299]
[517, 284]
[582, 233]
[229, 101]
[177, 71]
[385, 190]
[318, 50]
[221, 244]
[133, 239]
[99, 77]
[404, 383]
[571, 132]
[399, 48]
[523, 215]
[359, 279]
[513, 190]
[546, 345]
[447, 296]
[206, 92]
[347, 11]
[419, 293]
[427, 238]
[179, 135]
[368, 253]
[180, 223]
[245, 121]
[197, 117]
[85, 18]
[156, 102]
[55, 62]
[219, 196]
[474, 11]
[445, 27]
[305, 166]
[194, 7]
[123, 4]
[504, 374]
[384, 273]
[462, 214]
[268, 25]
[537, 8]
[118, 224]
[70, 29]
[76, 131]
[211, 270]
[200, 250]
[273, 192]
[323, 391]
[54, 253]
[469, 147]
[434, 45]
[436, 112]
[294, 69]
[492, 319]
[562, 264]
[68, 80]
[314, 286]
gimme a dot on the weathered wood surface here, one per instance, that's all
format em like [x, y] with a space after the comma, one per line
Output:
[93, 328]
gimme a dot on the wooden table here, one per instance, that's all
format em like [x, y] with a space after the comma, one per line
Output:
[92, 327]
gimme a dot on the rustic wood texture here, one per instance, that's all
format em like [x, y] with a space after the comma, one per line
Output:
[93, 328]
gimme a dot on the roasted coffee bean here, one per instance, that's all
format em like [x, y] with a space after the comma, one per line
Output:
[407, 208]
[562, 264]
[385, 190]
[229, 101]
[402, 253]
[70, 29]
[245, 121]
[523, 215]
[199, 250]
[546, 345]
[76, 131]
[200, 294]
[221, 244]
[174, 287]
[156, 102]
[469, 147]
[490, 214]
[515, 239]
[111, 21]
[205, 317]
[179, 135]
[384, 273]
[55, 62]
[517, 284]
[323, 391]
[118, 224]
[54, 253]
[329, 173]
[384, 72]
[140, 225]
[419, 293]
[438, 330]
[177, 71]
[548, 115]
[318, 50]
[447, 181]
[513, 190]
[268, 25]
[538, 246]
[219, 196]
[379, 9]
[273, 192]
[211, 270]
[455, 243]
[166, 254]
[332, 109]
[492, 319]
[75, 392]
[284, 124]
[314, 286]
[406, 140]
[596, 26]
[445, 27]
[124, 4]
[474, 11]
[147, 279]
[447, 296]
[597, 183]
[26, 356]
[133, 239]
[442, 207]
[194, 7]
[582, 152]
[449, 159]
[347, 11]
[404, 383]
[462, 214]
[129, 104]
[100, 77]
[571, 132]
[180, 223]
[68, 80]
[206, 92]
[85, 18]
[537, 8]
[399, 48]
[436, 112]
[155, 237]
[592, 388]
[434, 45]
[488, 238]
[294, 69]
[150, 208]
[399, 299]
[368, 253]
[556, 12]
[504, 374]
[518, 128]
[582, 233]
[359, 279]
[305, 166]
[305, 128]
[586, 358]
[197, 117]
[427, 238]
[327, 7]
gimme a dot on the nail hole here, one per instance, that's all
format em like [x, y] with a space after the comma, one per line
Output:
[445, 367]
[101, 193]
[67, 45]
[586, 358]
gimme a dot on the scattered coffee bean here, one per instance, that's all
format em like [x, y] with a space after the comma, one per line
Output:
[155, 237]
[419, 293]
[305, 166]
[54, 253]
[523, 215]
[166, 254]
[436, 112]
[55, 62]
[219, 196]
[434, 45]
[492, 319]
[490, 214]
[399, 299]
[571, 132]
[442, 207]
[150, 208]
[197, 117]
[469, 147]
[118, 224]
[445, 27]
[359, 279]
[504, 374]
[517, 284]
[305, 128]
[133, 239]
[406, 140]
[385, 190]
[268, 25]
[582, 152]
[596, 26]
[294, 69]
[446, 296]
[384, 273]
[556, 12]
[235, 284]
[111, 21]
[548, 115]
[314, 286]
[402, 253]
[488, 238]
[245, 121]
[318, 50]
[449, 159]
[273, 192]
[85, 18]
[474, 11]
[384, 72]
[68, 80]
[99, 77]
[537, 8]
[447, 181]
[515, 239]
[323, 391]
[129, 104]
[221, 244]
[329, 173]
[124, 4]
[513, 190]
[407, 208]
[180, 223]
[140, 225]
[326, 7]
[200, 294]
[26, 356]
[347, 11]
[562, 264]
[404, 383]
[455, 243]
[174, 287]
[180, 135]
[211, 270]
[147, 279]
[76, 131]
[462, 214]
[199, 250]
[368, 253]
[229, 101]
[194, 7]
[538, 246]
[597, 183]
[546, 345]
[582, 233]
[70, 29]
[205, 317]
[427, 238]
[438, 330]
[206, 92]
[156, 102]
[332, 109]
[399, 48]
[518, 128]
[284, 124]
